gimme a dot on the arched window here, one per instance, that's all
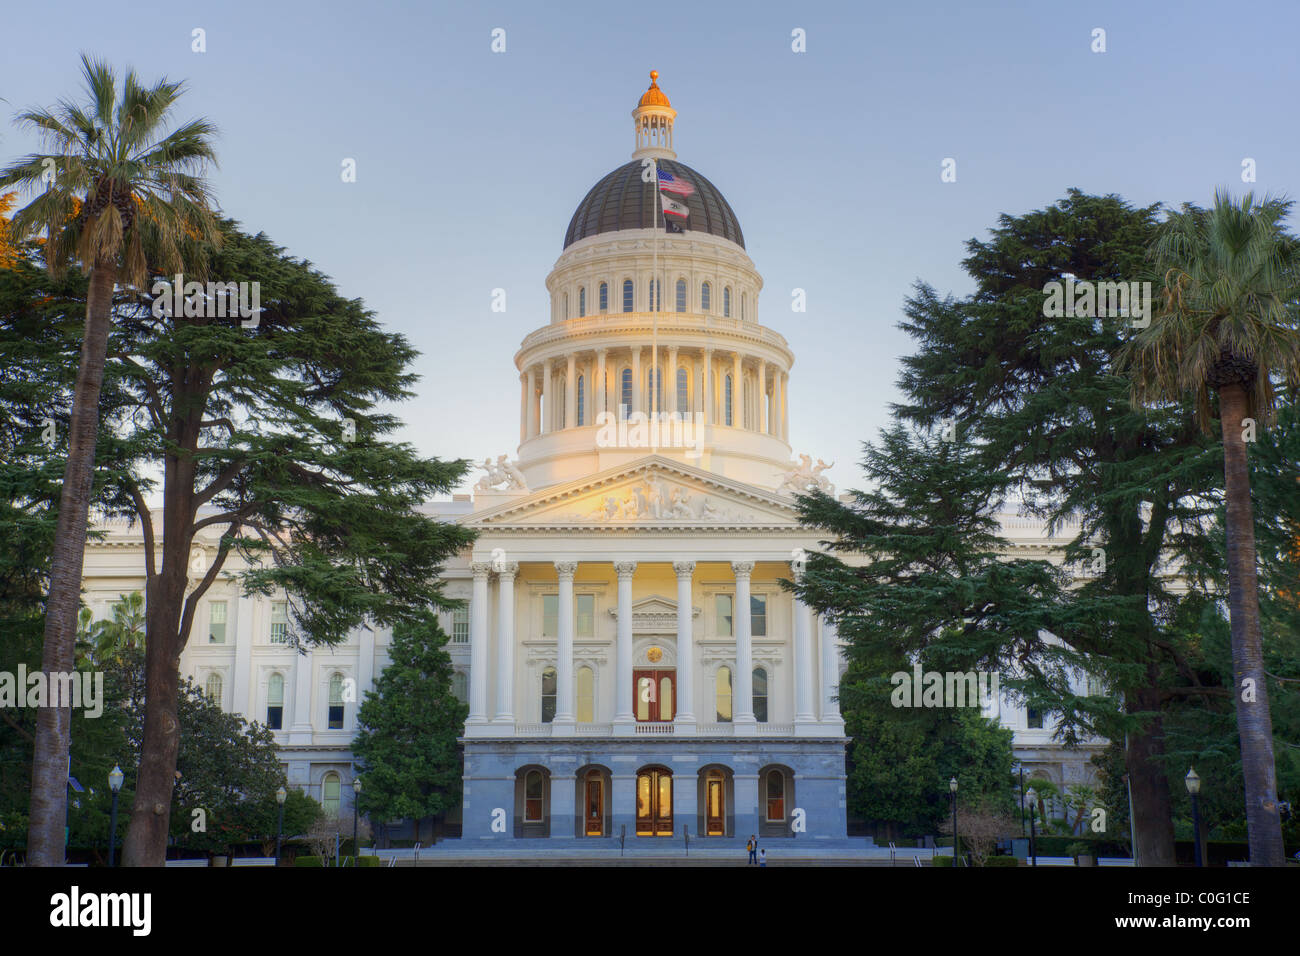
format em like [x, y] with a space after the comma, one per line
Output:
[549, 680]
[705, 291]
[566, 305]
[683, 390]
[533, 788]
[213, 687]
[460, 686]
[723, 694]
[775, 796]
[760, 695]
[726, 398]
[275, 701]
[655, 304]
[582, 411]
[726, 301]
[329, 794]
[655, 387]
[561, 406]
[665, 698]
[582, 302]
[625, 393]
[627, 295]
[681, 295]
[586, 693]
[604, 297]
[336, 702]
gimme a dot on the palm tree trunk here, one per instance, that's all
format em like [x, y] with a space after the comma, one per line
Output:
[1254, 725]
[49, 802]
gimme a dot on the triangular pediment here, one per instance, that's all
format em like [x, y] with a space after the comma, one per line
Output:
[654, 492]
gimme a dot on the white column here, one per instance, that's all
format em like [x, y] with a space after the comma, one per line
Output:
[478, 644]
[564, 703]
[685, 717]
[623, 716]
[300, 731]
[830, 648]
[743, 699]
[548, 400]
[242, 703]
[708, 386]
[571, 392]
[523, 408]
[762, 395]
[532, 402]
[506, 643]
[600, 386]
[737, 392]
[638, 403]
[803, 665]
[785, 406]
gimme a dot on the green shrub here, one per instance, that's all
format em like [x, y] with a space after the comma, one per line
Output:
[1002, 861]
[308, 861]
[942, 861]
[369, 861]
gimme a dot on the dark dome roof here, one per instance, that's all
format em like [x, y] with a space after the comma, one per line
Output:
[622, 201]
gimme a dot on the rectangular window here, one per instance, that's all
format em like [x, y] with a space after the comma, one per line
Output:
[216, 622]
[723, 606]
[585, 610]
[1034, 718]
[460, 625]
[758, 615]
[550, 615]
[279, 622]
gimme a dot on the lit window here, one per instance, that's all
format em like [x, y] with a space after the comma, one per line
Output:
[460, 686]
[582, 400]
[533, 796]
[550, 615]
[760, 695]
[722, 604]
[549, 680]
[627, 295]
[681, 295]
[275, 701]
[279, 622]
[726, 301]
[723, 694]
[775, 796]
[758, 615]
[582, 302]
[213, 687]
[654, 386]
[329, 794]
[586, 688]
[726, 389]
[704, 297]
[683, 394]
[460, 625]
[216, 622]
[604, 297]
[585, 612]
[336, 702]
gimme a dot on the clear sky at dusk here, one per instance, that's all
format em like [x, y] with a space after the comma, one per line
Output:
[470, 163]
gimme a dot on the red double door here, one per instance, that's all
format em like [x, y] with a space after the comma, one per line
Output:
[656, 694]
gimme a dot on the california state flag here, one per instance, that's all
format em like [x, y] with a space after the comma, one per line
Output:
[674, 207]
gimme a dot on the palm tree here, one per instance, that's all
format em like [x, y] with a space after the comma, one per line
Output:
[116, 179]
[1228, 329]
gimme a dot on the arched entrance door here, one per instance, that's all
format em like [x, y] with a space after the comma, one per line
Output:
[715, 804]
[654, 802]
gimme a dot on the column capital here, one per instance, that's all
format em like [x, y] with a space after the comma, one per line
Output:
[566, 569]
[602, 351]
[481, 569]
[742, 569]
[624, 569]
[684, 569]
[507, 569]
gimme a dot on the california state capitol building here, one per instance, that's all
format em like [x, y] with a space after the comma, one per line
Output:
[631, 662]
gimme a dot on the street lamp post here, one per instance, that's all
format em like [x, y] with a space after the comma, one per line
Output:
[280, 796]
[356, 795]
[1194, 788]
[115, 778]
[952, 787]
[1032, 796]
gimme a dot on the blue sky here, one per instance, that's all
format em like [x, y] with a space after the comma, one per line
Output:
[470, 163]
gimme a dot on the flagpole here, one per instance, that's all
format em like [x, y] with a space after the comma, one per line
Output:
[656, 300]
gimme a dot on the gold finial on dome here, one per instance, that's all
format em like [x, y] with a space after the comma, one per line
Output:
[654, 96]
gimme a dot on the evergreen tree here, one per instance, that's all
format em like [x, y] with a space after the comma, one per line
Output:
[407, 728]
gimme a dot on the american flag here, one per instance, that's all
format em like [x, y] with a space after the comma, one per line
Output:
[673, 184]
